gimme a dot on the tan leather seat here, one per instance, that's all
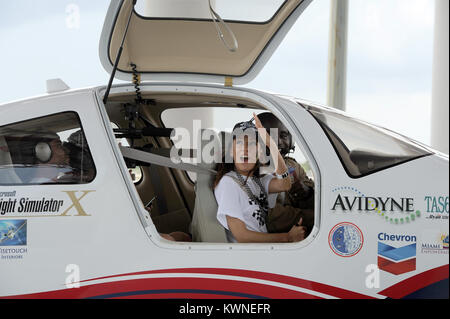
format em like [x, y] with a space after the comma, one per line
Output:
[204, 225]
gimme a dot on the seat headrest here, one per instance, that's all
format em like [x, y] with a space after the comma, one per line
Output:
[210, 148]
[226, 140]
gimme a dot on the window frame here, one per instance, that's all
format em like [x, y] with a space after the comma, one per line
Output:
[299, 141]
[278, 105]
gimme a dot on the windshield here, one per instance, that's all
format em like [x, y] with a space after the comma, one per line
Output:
[364, 148]
[249, 10]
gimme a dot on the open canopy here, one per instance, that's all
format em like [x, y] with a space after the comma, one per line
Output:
[180, 40]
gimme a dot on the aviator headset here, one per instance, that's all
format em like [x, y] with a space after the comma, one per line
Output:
[43, 152]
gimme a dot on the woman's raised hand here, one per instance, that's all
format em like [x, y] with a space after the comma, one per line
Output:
[262, 131]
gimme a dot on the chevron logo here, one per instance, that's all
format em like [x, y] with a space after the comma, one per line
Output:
[396, 260]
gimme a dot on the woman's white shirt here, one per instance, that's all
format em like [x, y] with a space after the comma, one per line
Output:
[233, 201]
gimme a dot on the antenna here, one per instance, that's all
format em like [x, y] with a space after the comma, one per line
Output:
[119, 54]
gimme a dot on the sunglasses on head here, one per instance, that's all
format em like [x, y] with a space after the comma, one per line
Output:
[245, 125]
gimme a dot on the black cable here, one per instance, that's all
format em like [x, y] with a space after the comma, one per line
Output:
[136, 82]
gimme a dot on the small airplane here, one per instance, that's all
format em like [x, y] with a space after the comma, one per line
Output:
[11, 234]
[380, 199]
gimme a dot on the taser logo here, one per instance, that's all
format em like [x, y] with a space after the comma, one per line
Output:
[396, 258]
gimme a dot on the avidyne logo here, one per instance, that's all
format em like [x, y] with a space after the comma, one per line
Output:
[392, 210]
[362, 203]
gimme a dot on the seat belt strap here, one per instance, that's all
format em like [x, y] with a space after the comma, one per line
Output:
[163, 161]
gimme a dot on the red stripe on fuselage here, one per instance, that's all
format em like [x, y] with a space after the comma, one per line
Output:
[297, 282]
[412, 284]
[136, 286]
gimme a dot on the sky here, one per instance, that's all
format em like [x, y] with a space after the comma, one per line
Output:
[390, 50]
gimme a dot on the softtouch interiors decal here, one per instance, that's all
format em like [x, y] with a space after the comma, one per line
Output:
[13, 239]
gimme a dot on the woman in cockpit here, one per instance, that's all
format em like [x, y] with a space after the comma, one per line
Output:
[243, 195]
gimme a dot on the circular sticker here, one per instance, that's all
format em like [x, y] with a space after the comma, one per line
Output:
[346, 239]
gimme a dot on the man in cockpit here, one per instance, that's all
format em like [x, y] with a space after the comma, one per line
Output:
[299, 201]
[48, 158]
[80, 158]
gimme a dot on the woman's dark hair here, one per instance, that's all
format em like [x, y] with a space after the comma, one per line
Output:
[222, 169]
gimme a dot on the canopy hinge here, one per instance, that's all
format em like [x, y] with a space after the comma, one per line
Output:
[228, 81]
